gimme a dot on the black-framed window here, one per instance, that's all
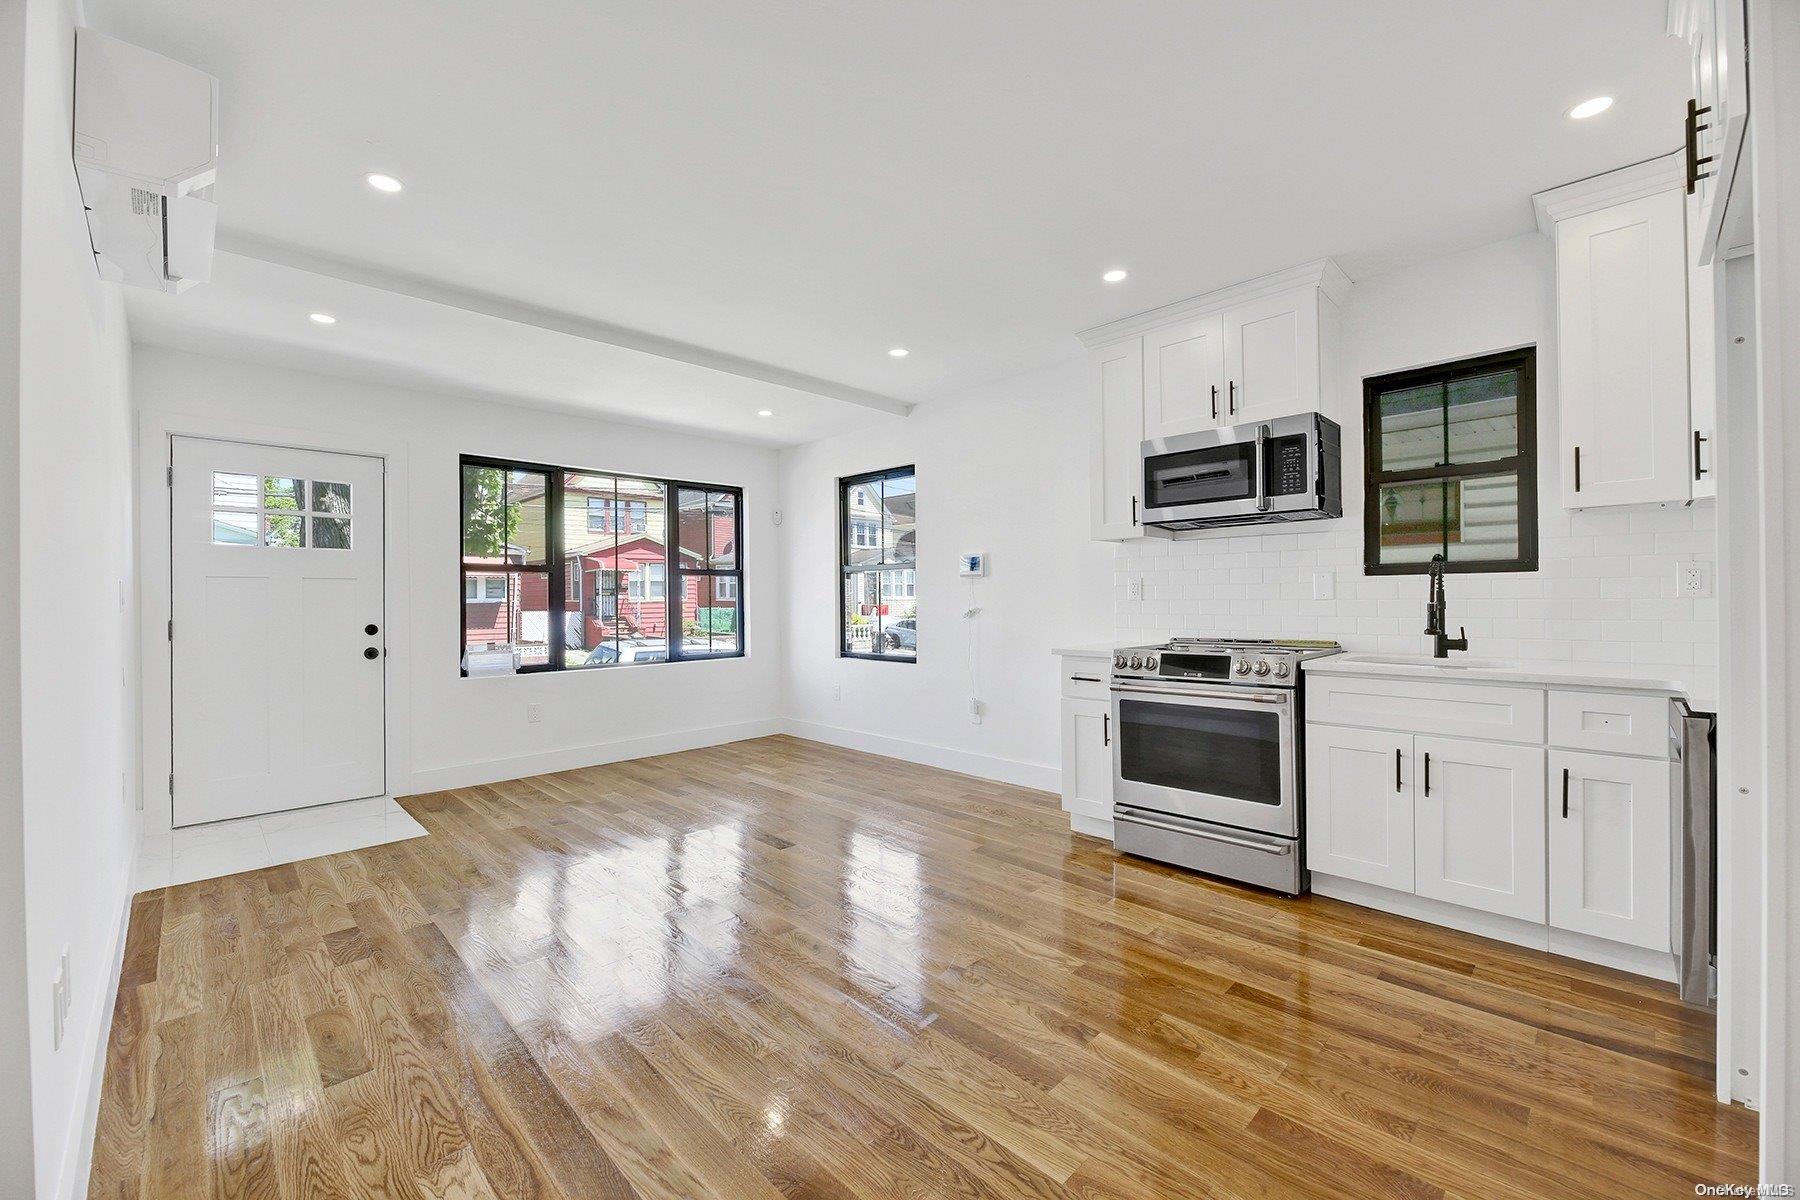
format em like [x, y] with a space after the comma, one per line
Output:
[878, 565]
[1451, 466]
[567, 569]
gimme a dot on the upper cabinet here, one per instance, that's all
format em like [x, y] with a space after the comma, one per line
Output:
[1243, 354]
[1717, 112]
[1634, 400]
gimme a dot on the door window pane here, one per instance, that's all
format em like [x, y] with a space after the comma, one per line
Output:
[331, 533]
[234, 529]
[234, 491]
[333, 498]
[284, 495]
[281, 530]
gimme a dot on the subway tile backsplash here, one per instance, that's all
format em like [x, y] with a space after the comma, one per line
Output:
[1605, 592]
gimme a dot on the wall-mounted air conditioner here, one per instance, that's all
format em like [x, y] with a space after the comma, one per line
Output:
[146, 156]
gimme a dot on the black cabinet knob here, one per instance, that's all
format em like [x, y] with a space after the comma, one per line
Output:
[371, 630]
[371, 652]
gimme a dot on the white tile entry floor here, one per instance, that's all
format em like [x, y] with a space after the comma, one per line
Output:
[227, 847]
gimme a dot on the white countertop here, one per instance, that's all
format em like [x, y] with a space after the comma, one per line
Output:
[1097, 651]
[1618, 676]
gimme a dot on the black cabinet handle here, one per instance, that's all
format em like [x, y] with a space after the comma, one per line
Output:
[1397, 768]
[1698, 438]
[371, 652]
[1134, 519]
[1428, 772]
[1215, 390]
[371, 630]
[1565, 793]
[1106, 729]
[1691, 144]
[1231, 400]
[1578, 468]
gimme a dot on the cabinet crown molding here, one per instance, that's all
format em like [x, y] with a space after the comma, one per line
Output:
[1605, 190]
[1323, 274]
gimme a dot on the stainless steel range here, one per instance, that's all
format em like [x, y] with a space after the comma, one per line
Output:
[1206, 756]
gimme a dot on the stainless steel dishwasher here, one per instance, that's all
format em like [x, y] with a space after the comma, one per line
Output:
[1694, 784]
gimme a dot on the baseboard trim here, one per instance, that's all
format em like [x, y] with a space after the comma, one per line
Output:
[1632, 959]
[963, 762]
[498, 770]
[78, 1159]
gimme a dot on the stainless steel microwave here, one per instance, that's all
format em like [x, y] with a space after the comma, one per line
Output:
[1287, 469]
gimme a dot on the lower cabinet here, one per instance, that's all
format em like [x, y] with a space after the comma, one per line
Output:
[1479, 825]
[1609, 847]
[1359, 809]
[1087, 771]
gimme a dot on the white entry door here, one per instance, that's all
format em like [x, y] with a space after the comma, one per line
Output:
[276, 571]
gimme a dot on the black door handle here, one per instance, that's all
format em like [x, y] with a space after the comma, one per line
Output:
[1396, 768]
[1428, 772]
[371, 630]
[1698, 469]
[371, 652]
[1215, 390]
[1565, 793]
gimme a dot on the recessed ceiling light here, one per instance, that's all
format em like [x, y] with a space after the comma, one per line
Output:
[385, 183]
[763, 412]
[1115, 276]
[899, 352]
[322, 319]
[1591, 108]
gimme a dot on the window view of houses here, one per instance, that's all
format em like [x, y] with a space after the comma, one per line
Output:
[880, 565]
[611, 582]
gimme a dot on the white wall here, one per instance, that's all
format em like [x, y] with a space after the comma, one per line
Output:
[1605, 589]
[1002, 470]
[446, 731]
[75, 634]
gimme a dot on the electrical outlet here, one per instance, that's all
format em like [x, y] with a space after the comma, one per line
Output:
[837, 691]
[1134, 588]
[974, 711]
[1693, 579]
[534, 713]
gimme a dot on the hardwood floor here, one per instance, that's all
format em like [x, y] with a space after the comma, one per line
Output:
[781, 969]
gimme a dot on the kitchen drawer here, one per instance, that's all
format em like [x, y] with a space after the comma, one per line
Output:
[1611, 722]
[1085, 678]
[1473, 710]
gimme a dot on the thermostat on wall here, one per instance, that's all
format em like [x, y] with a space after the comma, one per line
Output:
[972, 564]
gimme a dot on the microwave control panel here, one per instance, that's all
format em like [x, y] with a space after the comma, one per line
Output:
[1287, 467]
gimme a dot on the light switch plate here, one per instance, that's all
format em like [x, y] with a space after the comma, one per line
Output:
[1324, 585]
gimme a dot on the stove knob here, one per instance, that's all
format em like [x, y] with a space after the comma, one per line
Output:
[1262, 668]
[1119, 663]
[1281, 670]
[1242, 668]
[1150, 663]
[1136, 662]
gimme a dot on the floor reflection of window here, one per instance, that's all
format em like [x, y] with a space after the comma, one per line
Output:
[883, 894]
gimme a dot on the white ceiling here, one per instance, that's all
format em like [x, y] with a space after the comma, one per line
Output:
[805, 184]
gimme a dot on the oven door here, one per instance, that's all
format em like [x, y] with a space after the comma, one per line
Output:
[1217, 754]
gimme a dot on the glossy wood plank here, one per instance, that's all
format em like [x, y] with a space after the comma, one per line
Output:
[778, 969]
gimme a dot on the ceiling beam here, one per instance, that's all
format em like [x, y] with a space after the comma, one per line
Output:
[554, 320]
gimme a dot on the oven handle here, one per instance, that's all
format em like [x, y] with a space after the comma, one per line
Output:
[1251, 697]
[1135, 817]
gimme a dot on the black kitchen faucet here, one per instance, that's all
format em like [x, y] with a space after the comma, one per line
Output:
[1441, 646]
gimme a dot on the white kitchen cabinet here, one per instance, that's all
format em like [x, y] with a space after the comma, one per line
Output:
[1272, 357]
[1253, 352]
[1184, 377]
[1714, 30]
[1704, 337]
[1087, 771]
[1622, 321]
[1609, 847]
[1116, 467]
[1479, 824]
[1359, 810]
